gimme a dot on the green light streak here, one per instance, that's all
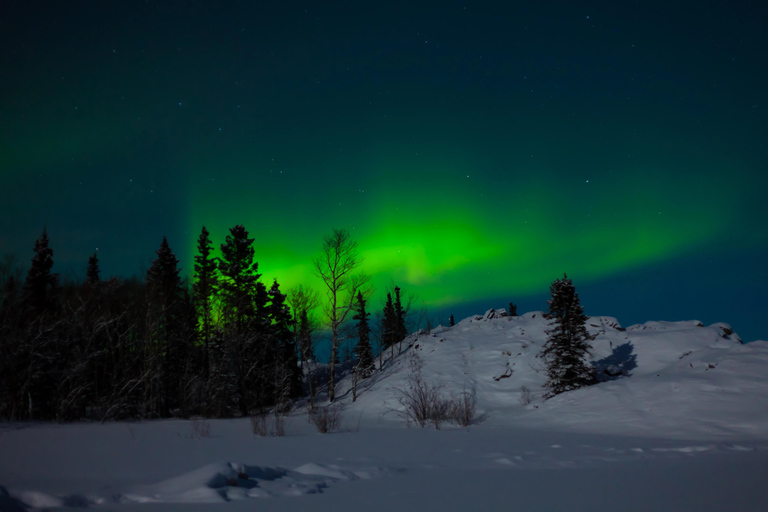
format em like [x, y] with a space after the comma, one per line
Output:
[450, 239]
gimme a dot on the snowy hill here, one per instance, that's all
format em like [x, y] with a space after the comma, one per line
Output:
[668, 379]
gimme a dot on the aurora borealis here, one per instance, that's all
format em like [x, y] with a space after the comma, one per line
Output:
[475, 150]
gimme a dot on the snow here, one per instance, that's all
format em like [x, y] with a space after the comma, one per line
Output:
[681, 424]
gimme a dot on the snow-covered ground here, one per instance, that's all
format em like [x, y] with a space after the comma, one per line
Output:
[681, 425]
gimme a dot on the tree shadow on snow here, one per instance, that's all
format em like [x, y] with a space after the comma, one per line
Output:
[619, 364]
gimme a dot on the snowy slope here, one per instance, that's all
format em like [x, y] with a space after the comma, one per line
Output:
[671, 379]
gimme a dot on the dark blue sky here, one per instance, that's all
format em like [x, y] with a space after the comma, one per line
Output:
[476, 150]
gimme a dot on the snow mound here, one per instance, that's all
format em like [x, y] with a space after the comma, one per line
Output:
[227, 481]
[662, 379]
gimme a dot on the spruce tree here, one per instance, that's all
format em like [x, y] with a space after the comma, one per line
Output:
[512, 310]
[167, 325]
[451, 321]
[567, 345]
[238, 279]
[40, 280]
[40, 338]
[244, 319]
[92, 273]
[287, 370]
[389, 326]
[365, 365]
[204, 291]
[401, 331]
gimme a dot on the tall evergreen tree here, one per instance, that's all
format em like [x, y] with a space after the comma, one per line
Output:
[245, 320]
[239, 279]
[41, 337]
[401, 331]
[451, 321]
[92, 273]
[204, 291]
[389, 326]
[40, 280]
[365, 365]
[287, 370]
[167, 330]
[567, 344]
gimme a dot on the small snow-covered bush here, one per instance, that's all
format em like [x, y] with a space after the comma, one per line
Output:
[201, 427]
[525, 396]
[462, 410]
[326, 419]
[259, 424]
[423, 402]
[264, 424]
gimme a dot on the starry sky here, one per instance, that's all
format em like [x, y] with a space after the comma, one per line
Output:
[476, 151]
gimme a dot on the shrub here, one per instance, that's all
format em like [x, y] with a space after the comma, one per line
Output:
[326, 419]
[525, 396]
[201, 427]
[462, 410]
[424, 402]
[264, 424]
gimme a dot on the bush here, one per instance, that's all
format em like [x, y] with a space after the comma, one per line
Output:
[424, 402]
[462, 411]
[264, 424]
[201, 427]
[525, 396]
[326, 419]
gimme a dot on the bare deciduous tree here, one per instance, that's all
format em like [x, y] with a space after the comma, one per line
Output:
[335, 267]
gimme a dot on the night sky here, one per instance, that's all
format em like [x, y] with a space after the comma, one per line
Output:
[475, 150]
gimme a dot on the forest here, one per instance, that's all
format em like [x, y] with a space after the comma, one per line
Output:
[222, 344]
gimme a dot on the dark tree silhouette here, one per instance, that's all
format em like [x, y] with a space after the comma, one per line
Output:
[568, 343]
[401, 331]
[92, 272]
[335, 266]
[389, 327]
[40, 281]
[287, 373]
[365, 365]
[204, 291]
[167, 330]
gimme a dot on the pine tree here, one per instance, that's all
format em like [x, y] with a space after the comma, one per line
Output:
[401, 331]
[287, 371]
[39, 339]
[243, 300]
[167, 324]
[365, 365]
[239, 277]
[512, 310]
[304, 341]
[451, 321]
[389, 326]
[204, 291]
[40, 280]
[567, 344]
[92, 273]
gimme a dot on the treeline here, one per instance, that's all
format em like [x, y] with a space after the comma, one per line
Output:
[225, 345]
